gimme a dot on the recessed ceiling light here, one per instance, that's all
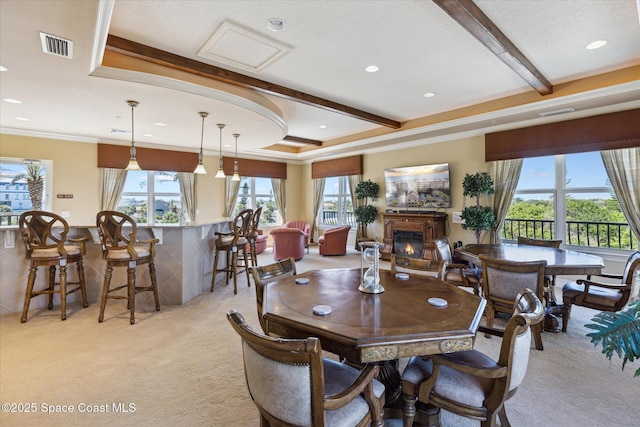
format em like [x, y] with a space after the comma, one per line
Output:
[12, 101]
[323, 126]
[23, 119]
[372, 68]
[148, 135]
[275, 24]
[160, 124]
[3, 68]
[429, 95]
[596, 45]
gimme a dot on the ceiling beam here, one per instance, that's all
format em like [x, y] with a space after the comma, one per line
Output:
[167, 59]
[467, 14]
[302, 140]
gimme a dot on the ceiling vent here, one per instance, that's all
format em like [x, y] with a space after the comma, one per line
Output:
[119, 131]
[57, 46]
[556, 112]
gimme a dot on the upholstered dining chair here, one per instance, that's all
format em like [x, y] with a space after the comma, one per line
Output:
[457, 272]
[469, 383]
[121, 247]
[293, 385]
[419, 266]
[502, 281]
[265, 274]
[303, 226]
[234, 244]
[45, 236]
[598, 295]
[549, 280]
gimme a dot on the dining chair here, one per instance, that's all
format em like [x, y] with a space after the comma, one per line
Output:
[267, 273]
[121, 247]
[598, 295]
[233, 243]
[418, 266]
[469, 383]
[502, 281]
[291, 384]
[253, 235]
[549, 280]
[45, 236]
[457, 273]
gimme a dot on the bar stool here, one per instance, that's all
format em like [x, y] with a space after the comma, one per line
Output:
[45, 238]
[232, 243]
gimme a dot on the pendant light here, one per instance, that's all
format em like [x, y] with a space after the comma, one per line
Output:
[235, 176]
[133, 163]
[200, 168]
[220, 173]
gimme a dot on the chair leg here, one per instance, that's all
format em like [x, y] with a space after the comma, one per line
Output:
[502, 414]
[63, 291]
[537, 335]
[154, 284]
[566, 313]
[52, 285]
[246, 265]
[491, 314]
[83, 286]
[105, 291]
[234, 268]
[215, 269]
[408, 410]
[27, 298]
[131, 288]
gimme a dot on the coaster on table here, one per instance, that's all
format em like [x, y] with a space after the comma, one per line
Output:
[438, 302]
[402, 276]
[302, 281]
[321, 310]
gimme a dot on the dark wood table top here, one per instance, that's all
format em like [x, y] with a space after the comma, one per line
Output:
[559, 261]
[374, 327]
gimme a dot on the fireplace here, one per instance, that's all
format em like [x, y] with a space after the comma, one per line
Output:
[407, 243]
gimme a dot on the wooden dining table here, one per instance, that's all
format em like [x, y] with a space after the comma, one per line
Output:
[374, 328]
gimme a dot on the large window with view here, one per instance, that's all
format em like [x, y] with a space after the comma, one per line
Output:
[256, 192]
[24, 185]
[160, 190]
[568, 196]
[337, 206]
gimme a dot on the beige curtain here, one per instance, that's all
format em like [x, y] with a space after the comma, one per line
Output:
[189, 197]
[353, 183]
[505, 174]
[111, 189]
[280, 194]
[231, 196]
[318, 195]
[623, 169]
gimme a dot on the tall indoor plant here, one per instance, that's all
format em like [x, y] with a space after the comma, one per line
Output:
[35, 184]
[365, 213]
[477, 217]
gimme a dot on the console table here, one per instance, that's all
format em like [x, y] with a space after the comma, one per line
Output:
[432, 225]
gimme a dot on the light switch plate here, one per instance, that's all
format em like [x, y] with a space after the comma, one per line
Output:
[456, 218]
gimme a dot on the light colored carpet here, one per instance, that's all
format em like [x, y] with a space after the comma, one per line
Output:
[183, 366]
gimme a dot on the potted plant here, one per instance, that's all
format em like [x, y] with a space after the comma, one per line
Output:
[35, 184]
[365, 213]
[619, 333]
[478, 217]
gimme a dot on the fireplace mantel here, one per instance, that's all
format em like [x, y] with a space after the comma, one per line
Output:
[432, 226]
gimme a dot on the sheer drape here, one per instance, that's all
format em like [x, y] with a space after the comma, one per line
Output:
[189, 198]
[353, 183]
[505, 174]
[231, 196]
[112, 186]
[318, 195]
[623, 169]
[280, 195]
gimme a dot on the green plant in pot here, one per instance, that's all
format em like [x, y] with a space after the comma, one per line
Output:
[478, 218]
[365, 213]
[35, 184]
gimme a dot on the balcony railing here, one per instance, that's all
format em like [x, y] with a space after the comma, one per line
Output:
[333, 218]
[9, 218]
[617, 235]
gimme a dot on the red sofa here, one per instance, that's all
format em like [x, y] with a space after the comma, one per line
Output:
[288, 243]
[301, 225]
[334, 241]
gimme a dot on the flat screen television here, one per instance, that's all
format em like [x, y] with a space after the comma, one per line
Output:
[418, 187]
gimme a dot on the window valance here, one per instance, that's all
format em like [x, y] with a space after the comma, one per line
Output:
[117, 157]
[337, 167]
[255, 168]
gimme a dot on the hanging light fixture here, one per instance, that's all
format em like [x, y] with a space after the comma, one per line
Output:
[200, 168]
[220, 173]
[235, 176]
[133, 163]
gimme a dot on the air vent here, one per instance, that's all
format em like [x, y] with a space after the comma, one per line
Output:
[556, 112]
[57, 46]
[120, 131]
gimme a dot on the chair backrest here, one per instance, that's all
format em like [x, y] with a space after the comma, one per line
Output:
[117, 230]
[43, 230]
[423, 267]
[632, 265]
[539, 242]
[299, 224]
[443, 249]
[502, 280]
[255, 222]
[242, 223]
[284, 376]
[265, 274]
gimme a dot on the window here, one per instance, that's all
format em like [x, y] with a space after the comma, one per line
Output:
[337, 207]
[256, 192]
[569, 196]
[14, 187]
[151, 188]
